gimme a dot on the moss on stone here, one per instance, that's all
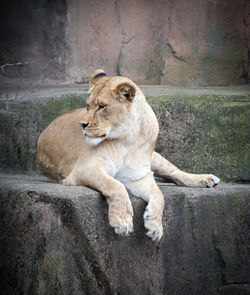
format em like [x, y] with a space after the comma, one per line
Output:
[57, 106]
[210, 133]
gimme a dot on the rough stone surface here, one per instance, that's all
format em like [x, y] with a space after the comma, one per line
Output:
[56, 240]
[33, 33]
[205, 134]
[202, 130]
[153, 42]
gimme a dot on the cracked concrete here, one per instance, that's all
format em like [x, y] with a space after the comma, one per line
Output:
[121, 54]
[174, 53]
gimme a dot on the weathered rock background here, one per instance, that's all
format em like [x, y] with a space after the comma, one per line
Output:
[152, 42]
[56, 240]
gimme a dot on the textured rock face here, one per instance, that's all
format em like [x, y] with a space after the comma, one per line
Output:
[153, 42]
[56, 240]
[205, 134]
[163, 42]
[33, 33]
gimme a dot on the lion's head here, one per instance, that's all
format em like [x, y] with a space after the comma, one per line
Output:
[109, 107]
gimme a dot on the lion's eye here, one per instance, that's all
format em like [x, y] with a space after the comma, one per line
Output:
[101, 106]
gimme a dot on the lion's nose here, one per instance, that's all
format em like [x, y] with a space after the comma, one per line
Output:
[84, 125]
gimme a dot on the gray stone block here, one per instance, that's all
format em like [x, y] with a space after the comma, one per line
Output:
[56, 240]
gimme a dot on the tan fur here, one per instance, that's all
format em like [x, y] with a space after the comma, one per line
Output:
[110, 146]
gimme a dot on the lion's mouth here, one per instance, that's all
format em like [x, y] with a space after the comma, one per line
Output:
[100, 136]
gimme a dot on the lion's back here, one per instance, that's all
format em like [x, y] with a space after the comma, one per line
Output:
[59, 145]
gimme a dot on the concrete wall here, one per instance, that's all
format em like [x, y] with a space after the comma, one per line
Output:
[194, 42]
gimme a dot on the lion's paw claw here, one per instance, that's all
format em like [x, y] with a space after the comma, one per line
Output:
[153, 225]
[122, 222]
[124, 230]
[212, 180]
[155, 235]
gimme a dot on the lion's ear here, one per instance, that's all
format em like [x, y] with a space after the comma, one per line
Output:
[124, 91]
[95, 76]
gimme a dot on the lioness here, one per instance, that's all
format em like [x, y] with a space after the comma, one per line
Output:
[113, 148]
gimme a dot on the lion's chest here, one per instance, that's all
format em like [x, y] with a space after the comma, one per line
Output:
[130, 168]
[130, 173]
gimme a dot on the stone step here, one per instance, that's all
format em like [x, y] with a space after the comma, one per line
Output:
[202, 130]
[56, 240]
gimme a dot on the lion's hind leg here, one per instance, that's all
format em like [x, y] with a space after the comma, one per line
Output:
[164, 169]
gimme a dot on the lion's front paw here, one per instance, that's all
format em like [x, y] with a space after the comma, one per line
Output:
[211, 180]
[68, 181]
[152, 221]
[121, 217]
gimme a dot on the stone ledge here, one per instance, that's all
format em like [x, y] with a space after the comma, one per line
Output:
[56, 240]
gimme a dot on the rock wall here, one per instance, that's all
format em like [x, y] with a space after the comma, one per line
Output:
[163, 42]
[152, 42]
[32, 33]
[205, 133]
[56, 240]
